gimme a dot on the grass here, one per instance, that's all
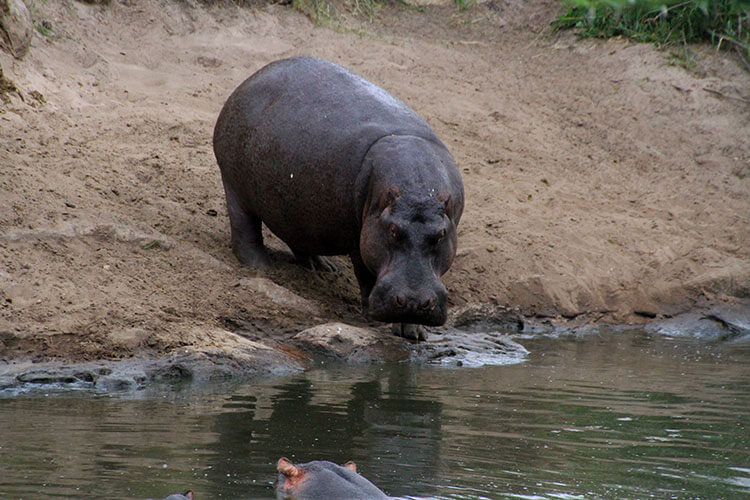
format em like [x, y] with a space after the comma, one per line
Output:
[465, 4]
[725, 23]
[322, 12]
[6, 86]
[44, 28]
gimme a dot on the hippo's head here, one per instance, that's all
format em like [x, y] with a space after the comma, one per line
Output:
[188, 495]
[321, 480]
[407, 241]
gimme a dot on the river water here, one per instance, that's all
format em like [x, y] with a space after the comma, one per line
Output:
[601, 415]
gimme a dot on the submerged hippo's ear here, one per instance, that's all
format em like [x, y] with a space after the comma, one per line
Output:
[447, 201]
[284, 466]
[351, 466]
[386, 199]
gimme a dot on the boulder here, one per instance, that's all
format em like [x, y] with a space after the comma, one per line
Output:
[351, 343]
[722, 322]
[16, 27]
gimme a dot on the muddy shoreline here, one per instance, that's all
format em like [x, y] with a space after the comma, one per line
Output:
[604, 186]
[474, 337]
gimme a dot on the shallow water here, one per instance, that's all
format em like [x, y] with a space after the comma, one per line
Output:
[615, 415]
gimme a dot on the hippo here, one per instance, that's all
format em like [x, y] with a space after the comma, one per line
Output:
[188, 495]
[335, 165]
[323, 480]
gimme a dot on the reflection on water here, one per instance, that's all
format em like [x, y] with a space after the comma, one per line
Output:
[603, 416]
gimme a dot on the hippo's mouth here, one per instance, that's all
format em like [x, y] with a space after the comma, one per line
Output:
[436, 315]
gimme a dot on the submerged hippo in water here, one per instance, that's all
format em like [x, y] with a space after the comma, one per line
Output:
[188, 495]
[321, 480]
[335, 165]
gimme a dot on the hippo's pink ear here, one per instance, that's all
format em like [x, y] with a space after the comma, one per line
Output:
[351, 466]
[447, 201]
[190, 494]
[386, 199]
[284, 466]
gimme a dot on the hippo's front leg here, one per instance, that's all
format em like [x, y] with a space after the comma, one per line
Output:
[365, 279]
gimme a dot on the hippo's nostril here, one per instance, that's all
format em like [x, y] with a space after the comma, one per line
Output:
[427, 304]
[400, 300]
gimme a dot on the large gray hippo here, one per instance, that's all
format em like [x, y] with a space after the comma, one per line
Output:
[335, 165]
[323, 480]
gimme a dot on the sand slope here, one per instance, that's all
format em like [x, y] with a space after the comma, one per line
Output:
[601, 182]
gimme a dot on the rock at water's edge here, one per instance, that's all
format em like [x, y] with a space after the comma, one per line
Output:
[720, 322]
[350, 343]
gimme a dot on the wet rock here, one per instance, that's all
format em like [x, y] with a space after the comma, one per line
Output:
[19, 377]
[486, 317]
[16, 27]
[210, 364]
[49, 377]
[470, 349]
[201, 365]
[351, 344]
[721, 322]
[280, 295]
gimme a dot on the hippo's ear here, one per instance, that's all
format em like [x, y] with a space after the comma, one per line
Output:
[190, 494]
[284, 466]
[386, 199]
[351, 466]
[447, 201]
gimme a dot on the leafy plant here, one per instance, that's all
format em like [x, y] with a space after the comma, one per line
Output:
[45, 29]
[465, 4]
[726, 23]
[319, 11]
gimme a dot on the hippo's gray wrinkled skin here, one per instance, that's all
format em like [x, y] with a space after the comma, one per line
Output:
[335, 165]
[321, 480]
[188, 495]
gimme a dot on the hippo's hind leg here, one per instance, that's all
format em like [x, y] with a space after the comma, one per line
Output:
[315, 262]
[247, 235]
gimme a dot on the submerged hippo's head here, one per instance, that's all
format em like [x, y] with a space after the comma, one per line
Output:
[408, 240]
[321, 480]
[188, 495]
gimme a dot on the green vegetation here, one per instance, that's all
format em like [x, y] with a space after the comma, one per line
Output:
[726, 23]
[6, 86]
[332, 12]
[465, 4]
[319, 11]
[335, 14]
[44, 28]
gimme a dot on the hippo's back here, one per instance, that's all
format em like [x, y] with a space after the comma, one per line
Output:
[290, 142]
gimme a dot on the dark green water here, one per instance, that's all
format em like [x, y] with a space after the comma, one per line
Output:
[601, 416]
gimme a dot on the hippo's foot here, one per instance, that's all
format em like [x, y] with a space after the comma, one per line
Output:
[409, 331]
[252, 256]
[316, 263]
[247, 235]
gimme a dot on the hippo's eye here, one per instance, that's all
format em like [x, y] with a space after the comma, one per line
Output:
[434, 239]
[394, 231]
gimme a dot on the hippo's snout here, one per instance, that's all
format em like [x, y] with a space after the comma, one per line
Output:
[395, 303]
[401, 301]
